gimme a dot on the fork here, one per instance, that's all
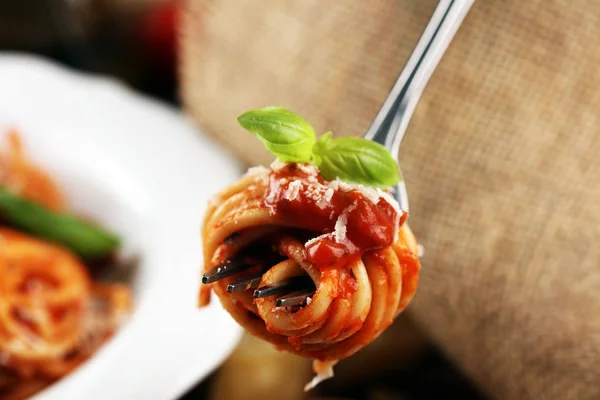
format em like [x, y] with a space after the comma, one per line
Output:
[387, 129]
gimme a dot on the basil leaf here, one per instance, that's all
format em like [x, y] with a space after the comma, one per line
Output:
[283, 133]
[355, 160]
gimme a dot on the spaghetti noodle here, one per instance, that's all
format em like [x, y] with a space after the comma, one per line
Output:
[351, 241]
[20, 176]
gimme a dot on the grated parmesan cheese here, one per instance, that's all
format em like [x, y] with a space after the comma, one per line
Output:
[320, 377]
[308, 169]
[259, 173]
[271, 197]
[311, 241]
[258, 170]
[325, 199]
[329, 194]
[277, 165]
[341, 224]
[340, 227]
[308, 300]
[293, 189]
[371, 194]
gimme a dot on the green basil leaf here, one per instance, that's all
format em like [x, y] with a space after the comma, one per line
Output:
[355, 160]
[283, 133]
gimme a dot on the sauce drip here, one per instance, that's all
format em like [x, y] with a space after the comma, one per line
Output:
[305, 199]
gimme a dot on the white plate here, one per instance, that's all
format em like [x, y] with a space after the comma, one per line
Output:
[141, 169]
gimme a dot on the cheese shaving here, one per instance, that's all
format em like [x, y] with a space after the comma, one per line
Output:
[340, 227]
[371, 194]
[259, 173]
[258, 170]
[271, 197]
[306, 168]
[325, 372]
[277, 165]
[309, 169]
[311, 241]
[325, 199]
[293, 189]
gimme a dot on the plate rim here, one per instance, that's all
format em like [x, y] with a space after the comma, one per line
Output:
[90, 82]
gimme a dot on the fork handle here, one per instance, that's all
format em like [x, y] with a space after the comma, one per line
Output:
[391, 122]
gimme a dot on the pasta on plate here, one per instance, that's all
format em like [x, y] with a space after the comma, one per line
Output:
[53, 314]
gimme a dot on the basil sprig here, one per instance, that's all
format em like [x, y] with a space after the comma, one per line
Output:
[283, 133]
[355, 160]
[292, 139]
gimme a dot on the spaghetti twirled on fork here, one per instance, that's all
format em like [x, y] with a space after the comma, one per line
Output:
[352, 242]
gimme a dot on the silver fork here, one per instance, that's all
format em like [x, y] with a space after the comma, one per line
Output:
[388, 129]
[392, 120]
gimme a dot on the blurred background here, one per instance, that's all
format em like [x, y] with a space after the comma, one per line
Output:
[132, 40]
[136, 42]
[493, 101]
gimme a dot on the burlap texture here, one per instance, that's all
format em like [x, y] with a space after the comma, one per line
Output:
[501, 159]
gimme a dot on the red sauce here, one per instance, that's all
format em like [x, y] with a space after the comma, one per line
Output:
[368, 226]
[25, 321]
[295, 341]
[348, 285]
[37, 284]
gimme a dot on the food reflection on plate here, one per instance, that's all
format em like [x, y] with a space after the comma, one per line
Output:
[54, 311]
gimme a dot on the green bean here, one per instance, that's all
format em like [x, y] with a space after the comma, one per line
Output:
[85, 239]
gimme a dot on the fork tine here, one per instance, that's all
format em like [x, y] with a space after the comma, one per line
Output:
[286, 285]
[225, 269]
[295, 299]
[298, 287]
[249, 282]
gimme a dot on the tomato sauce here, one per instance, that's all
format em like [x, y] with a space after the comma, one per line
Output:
[310, 203]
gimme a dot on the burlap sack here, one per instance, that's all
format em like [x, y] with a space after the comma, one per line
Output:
[501, 159]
